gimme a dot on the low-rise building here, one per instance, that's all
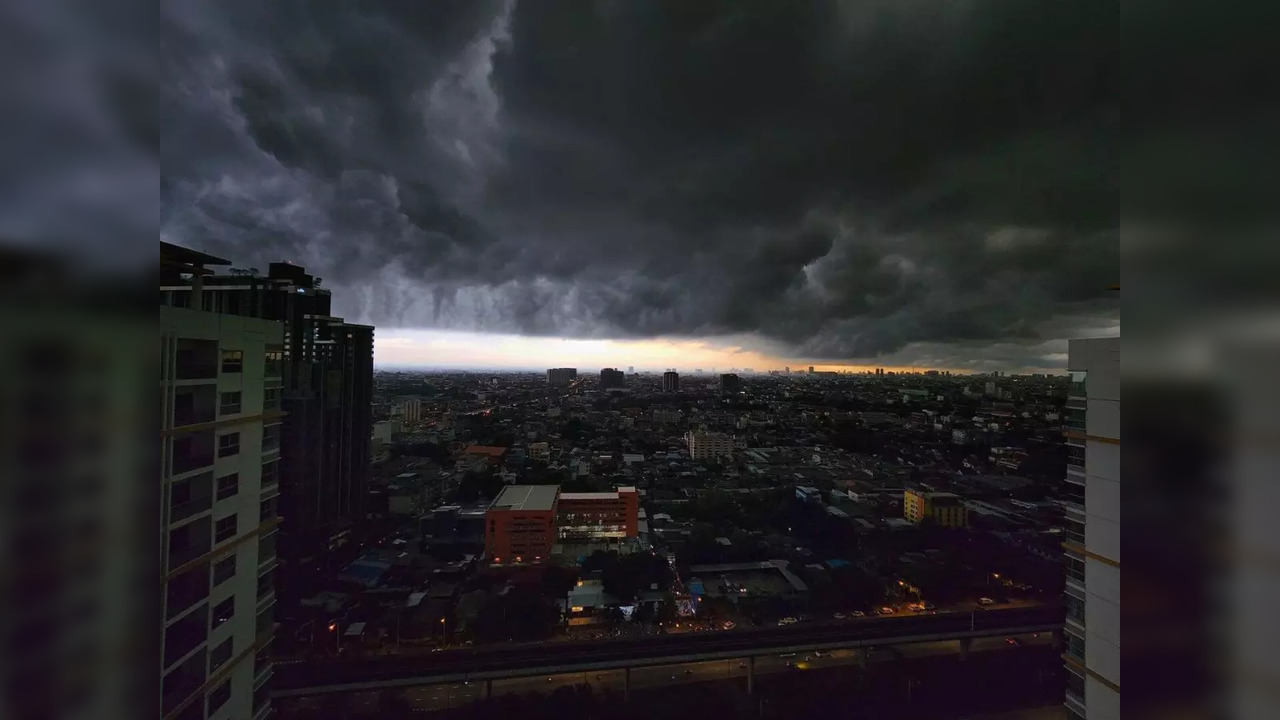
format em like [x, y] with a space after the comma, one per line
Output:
[945, 509]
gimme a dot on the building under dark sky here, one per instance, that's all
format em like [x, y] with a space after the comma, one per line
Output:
[612, 378]
[326, 393]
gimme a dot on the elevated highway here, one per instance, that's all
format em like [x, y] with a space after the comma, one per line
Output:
[531, 659]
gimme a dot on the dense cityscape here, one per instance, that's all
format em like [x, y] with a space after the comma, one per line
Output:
[331, 525]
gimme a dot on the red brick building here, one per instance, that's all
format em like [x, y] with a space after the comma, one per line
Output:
[525, 521]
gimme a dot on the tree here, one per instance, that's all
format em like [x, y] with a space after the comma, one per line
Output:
[626, 576]
[558, 581]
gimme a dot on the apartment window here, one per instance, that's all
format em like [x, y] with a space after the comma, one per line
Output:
[1078, 384]
[229, 444]
[183, 680]
[271, 399]
[1074, 528]
[266, 548]
[186, 590]
[228, 486]
[229, 403]
[1075, 569]
[219, 695]
[267, 510]
[264, 585]
[1075, 608]
[274, 363]
[270, 438]
[189, 497]
[222, 612]
[270, 474]
[225, 529]
[232, 361]
[185, 635]
[220, 655]
[1076, 419]
[1075, 456]
[224, 569]
[189, 542]
[262, 660]
[1075, 645]
[1075, 684]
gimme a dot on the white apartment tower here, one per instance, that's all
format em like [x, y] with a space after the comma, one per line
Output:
[220, 449]
[1092, 534]
[708, 446]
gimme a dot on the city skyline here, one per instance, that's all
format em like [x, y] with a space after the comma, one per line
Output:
[455, 350]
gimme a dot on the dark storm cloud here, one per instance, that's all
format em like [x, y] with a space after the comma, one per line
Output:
[842, 180]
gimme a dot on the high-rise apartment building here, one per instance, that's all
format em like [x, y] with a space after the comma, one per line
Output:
[326, 394]
[708, 446]
[561, 377]
[611, 378]
[220, 433]
[730, 384]
[671, 381]
[1092, 628]
[410, 409]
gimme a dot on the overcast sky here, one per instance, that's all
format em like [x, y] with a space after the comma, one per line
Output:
[896, 182]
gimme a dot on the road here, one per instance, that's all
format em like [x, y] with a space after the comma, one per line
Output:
[441, 697]
[338, 676]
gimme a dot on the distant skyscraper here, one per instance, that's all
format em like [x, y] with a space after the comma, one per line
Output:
[730, 384]
[631, 369]
[810, 369]
[611, 378]
[671, 381]
[561, 377]
[1092, 532]
[787, 369]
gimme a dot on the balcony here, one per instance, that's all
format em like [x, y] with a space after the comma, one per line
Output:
[196, 360]
[1074, 645]
[191, 452]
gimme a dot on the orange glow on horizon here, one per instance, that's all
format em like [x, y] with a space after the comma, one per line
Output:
[462, 350]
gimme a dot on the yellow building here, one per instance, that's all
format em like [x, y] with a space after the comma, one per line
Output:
[945, 509]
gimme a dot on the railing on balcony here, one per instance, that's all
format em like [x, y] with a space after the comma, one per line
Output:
[1075, 419]
[193, 461]
[1074, 645]
[1075, 684]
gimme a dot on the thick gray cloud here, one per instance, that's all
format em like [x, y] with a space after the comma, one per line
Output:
[844, 181]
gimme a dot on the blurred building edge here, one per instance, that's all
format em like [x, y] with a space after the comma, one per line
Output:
[77, 520]
[1091, 632]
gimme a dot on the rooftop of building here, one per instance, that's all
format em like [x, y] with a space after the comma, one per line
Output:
[526, 497]
[490, 450]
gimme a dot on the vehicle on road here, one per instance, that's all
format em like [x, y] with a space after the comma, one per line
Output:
[986, 601]
[838, 616]
[930, 606]
[857, 613]
[1012, 642]
[886, 610]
